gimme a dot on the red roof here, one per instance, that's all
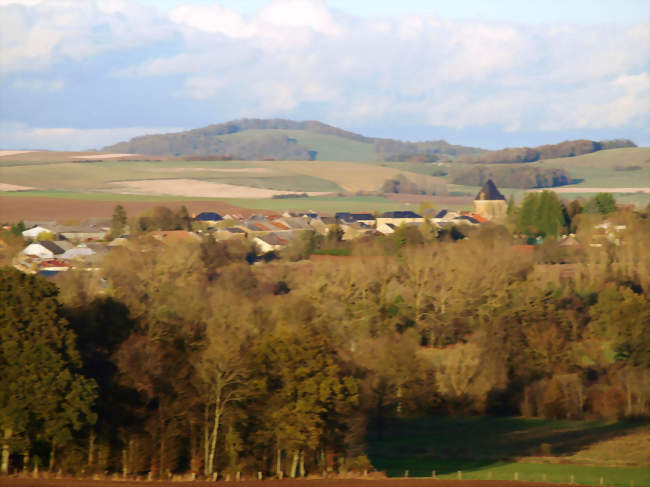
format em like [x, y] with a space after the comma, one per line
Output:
[54, 263]
[479, 218]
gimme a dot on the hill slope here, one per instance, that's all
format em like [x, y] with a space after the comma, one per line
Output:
[257, 139]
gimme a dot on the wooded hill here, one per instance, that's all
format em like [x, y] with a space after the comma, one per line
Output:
[259, 139]
[568, 148]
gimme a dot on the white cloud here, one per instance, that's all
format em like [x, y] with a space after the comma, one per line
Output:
[37, 35]
[15, 135]
[293, 54]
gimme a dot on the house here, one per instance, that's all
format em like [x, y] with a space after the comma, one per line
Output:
[347, 217]
[82, 232]
[34, 232]
[296, 223]
[490, 203]
[270, 242]
[386, 228]
[230, 233]
[208, 217]
[356, 230]
[54, 265]
[399, 217]
[173, 236]
[46, 249]
[87, 252]
[465, 220]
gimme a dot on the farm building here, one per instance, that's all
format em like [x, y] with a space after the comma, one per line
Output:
[209, 217]
[399, 217]
[46, 249]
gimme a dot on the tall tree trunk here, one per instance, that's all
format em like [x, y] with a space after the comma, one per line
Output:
[52, 456]
[206, 441]
[125, 463]
[302, 463]
[278, 462]
[4, 466]
[162, 443]
[294, 464]
[91, 448]
[25, 459]
[215, 432]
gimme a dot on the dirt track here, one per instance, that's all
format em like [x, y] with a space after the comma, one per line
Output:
[10, 482]
[14, 209]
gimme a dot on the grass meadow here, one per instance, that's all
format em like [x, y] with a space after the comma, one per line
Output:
[52, 177]
[497, 448]
[327, 147]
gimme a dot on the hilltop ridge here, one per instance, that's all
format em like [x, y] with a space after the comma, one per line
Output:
[310, 140]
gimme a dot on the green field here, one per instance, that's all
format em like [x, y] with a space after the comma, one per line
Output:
[496, 448]
[91, 180]
[280, 175]
[327, 147]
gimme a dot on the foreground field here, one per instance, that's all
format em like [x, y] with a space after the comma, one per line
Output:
[10, 482]
[499, 448]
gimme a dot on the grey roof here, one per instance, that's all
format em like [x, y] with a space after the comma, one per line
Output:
[349, 217]
[234, 230]
[489, 192]
[52, 247]
[401, 214]
[468, 218]
[441, 214]
[209, 216]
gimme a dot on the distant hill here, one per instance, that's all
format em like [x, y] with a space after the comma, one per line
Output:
[259, 139]
[569, 148]
[280, 139]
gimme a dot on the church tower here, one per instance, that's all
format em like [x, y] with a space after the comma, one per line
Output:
[490, 203]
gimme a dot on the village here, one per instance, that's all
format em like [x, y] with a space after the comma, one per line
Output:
[53, 247]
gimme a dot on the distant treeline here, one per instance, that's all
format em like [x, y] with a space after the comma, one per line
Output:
[525, 177]
[568, 148]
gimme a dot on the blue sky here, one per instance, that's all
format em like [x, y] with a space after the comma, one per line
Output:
[77, 74]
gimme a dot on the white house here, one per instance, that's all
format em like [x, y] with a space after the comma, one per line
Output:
[34, 232]
[43, 250]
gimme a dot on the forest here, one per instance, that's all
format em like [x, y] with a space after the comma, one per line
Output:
[185, 357]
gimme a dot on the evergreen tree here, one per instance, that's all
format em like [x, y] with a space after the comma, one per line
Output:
[526, 220]
[602, 203]
[550, 218]
[184, 220]
[119, 221]
[41, 390]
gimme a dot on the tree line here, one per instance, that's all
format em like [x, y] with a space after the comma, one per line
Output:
[185, 357]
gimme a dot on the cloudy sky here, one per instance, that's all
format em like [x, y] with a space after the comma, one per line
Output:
[77, 74]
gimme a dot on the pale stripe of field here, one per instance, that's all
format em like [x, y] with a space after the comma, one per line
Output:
[104, 156]
[13, 187]
[5, 153]
[581, 189]
[191, 187]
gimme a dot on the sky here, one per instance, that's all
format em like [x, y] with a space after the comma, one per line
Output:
[82, 74]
